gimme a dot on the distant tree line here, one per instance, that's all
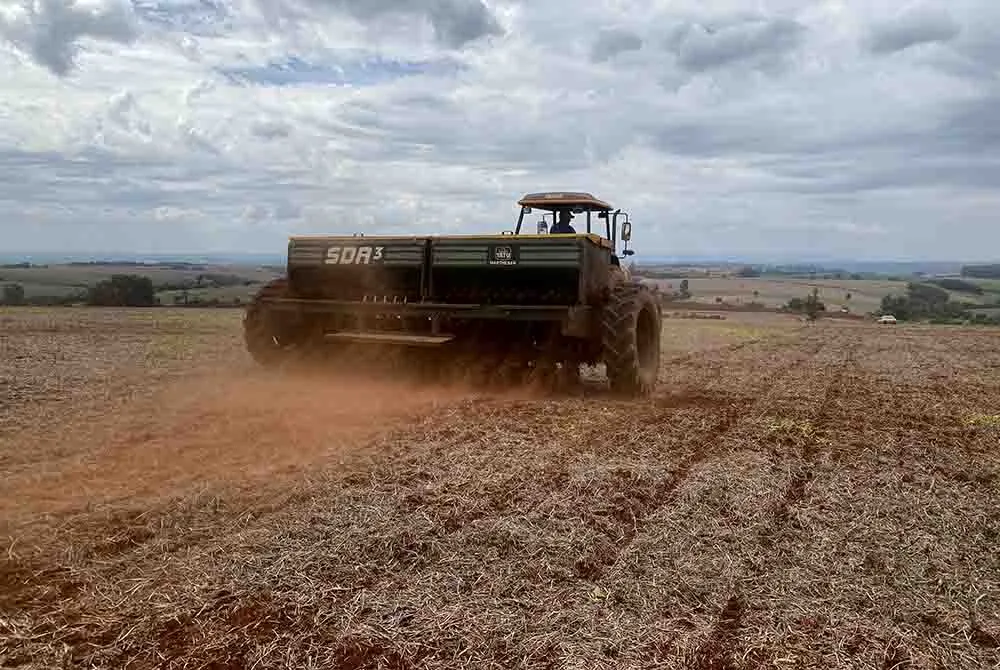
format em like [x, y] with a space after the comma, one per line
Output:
[207, 280]
[931, 302]
[122, 290]
[989, 271]
[959, 285]
[119, 290]
[751, 271]
[657, 273]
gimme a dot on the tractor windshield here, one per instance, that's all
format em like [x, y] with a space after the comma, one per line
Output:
[554, 213]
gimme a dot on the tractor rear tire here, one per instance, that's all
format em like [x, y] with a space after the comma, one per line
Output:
[631, 324]
[269, 340]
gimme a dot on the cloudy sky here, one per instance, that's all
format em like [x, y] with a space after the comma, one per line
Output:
[855, 129]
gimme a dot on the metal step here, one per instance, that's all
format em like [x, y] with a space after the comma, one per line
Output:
[390, 338]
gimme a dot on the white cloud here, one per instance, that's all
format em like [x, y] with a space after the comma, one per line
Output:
[772, 128]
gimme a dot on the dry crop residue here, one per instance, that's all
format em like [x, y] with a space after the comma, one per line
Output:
[820, 499]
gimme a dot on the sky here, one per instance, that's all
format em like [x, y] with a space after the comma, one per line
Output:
[772, 129]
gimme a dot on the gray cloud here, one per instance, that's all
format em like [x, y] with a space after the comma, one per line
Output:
[271, 129]
[915, 27]
[49, 31]
[971, 129]
[455, 22]
[458, 22]
[434, 129]
[613, 41]
[759, 41]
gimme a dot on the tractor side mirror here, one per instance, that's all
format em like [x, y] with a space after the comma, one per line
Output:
[628, 252]
[626, 231]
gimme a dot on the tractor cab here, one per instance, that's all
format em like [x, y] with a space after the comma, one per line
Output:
[575, 213]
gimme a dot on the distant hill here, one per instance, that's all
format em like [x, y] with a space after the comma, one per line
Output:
[885, 268]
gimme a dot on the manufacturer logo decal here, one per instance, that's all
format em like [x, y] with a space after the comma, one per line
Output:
[503, 255]
[353, 255]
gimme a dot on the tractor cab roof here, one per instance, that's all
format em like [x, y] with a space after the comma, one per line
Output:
[553, 200]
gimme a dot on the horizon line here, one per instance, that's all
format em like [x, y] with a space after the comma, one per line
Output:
[722, 257]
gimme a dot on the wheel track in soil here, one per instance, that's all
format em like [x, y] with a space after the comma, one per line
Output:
[697, 360]
[596, 567]
[721, 645]
[593, 569]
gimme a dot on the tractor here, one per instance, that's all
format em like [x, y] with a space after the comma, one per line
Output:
[539, 302]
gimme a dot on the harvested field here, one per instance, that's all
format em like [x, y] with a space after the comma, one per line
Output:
[792, 496]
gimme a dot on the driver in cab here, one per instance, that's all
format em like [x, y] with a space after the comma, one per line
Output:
[562, 225]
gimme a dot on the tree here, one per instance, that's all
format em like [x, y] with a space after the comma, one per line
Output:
[922, 301]
[896, 305]
[13, 294]
[811, 305]
[123, 291]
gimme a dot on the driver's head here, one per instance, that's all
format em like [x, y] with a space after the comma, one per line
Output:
[565, 216]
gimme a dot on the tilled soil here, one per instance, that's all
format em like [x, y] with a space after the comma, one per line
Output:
[824, 497]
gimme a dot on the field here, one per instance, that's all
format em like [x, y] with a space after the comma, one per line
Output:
[794, 495]
[234, 282]
[58, 280]
[865, 294]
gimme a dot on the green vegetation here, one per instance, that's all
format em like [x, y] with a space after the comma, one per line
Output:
[13, 294]
[123, 290]
[958, 285]
[103, 283]
[668, 293]
[811, 305]
[930, 302]
[990, 271]
[17, 295]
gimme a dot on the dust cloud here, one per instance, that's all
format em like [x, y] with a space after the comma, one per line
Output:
[218, 430]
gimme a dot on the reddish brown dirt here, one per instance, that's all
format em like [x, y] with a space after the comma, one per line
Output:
[212, 431]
